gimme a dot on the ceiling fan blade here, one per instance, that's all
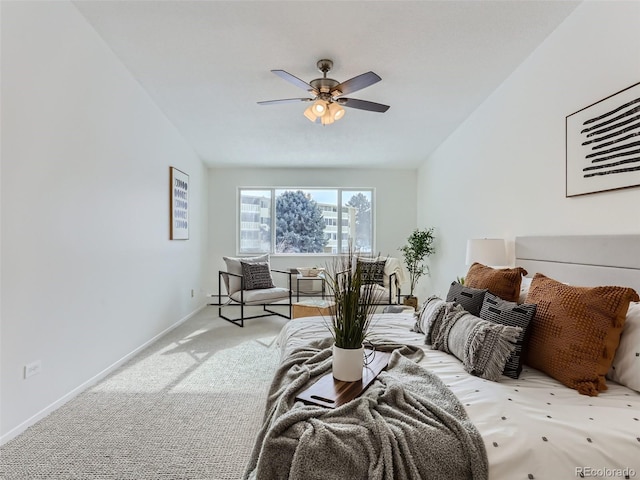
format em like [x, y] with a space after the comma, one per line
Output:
[357, 83]
[294, 80]
[363, 105]
[285, 100]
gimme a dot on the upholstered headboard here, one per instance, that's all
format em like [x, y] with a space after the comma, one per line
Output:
[588, 260]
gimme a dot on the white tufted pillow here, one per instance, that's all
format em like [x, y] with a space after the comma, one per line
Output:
[625, 368]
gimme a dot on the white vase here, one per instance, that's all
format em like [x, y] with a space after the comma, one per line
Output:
[347, 363]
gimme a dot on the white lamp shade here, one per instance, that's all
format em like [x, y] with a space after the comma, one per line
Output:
[326, 119]
[319, 107]
[336, 111]
[488, 251]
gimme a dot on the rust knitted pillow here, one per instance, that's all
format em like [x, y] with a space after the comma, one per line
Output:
[575, 331]
[503, 283]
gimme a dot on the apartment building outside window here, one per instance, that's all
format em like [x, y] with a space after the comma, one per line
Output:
[305, 220]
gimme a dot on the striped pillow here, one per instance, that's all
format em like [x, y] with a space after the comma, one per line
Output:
[496, 310]
[470, 298]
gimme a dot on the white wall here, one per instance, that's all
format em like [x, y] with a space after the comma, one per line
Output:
[88, 272]
[395, 208]
[502, 173]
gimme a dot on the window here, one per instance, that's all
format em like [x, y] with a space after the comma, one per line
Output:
[255, 221]
[305, 220]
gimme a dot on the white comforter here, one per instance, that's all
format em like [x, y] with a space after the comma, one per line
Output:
[533, 427]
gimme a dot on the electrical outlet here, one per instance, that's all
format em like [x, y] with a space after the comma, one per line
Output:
[32, 369]
[192, 293]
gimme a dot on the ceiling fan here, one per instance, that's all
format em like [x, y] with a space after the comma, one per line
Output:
[328, 94]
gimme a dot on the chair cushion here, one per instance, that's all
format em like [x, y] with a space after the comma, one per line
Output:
[256, 275]
[261, 296]
[234, 266]
[377, 295]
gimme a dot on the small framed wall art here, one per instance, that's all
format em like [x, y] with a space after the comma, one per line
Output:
[603, 144]
[179, 208]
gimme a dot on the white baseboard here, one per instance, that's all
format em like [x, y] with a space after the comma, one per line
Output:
[11, 434]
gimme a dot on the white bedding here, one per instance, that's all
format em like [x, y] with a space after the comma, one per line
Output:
[533, 427]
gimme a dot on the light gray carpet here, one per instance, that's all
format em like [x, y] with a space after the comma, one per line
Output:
[188, 407]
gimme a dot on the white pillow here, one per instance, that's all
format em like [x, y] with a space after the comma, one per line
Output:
[524, 289]
[234, 266]
[430, 309]
[626, 364]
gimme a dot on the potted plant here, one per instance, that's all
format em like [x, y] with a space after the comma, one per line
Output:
[350, 316]
[419, 246]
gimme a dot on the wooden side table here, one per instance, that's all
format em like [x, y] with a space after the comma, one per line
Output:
[312, 308]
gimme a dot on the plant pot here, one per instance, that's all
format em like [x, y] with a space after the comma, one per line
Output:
[411, 301]
[347, 363]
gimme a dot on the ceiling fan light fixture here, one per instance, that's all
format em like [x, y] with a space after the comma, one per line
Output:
[327, 119]
[327, 99]
[319, 107]
[309, 114]
[336, 111]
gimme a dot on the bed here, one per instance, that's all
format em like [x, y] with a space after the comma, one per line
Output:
[532, 427]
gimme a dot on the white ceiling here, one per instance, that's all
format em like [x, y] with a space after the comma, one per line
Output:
[207, 63]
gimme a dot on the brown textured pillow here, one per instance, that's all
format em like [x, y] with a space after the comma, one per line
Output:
[503, 283]
[575, 331]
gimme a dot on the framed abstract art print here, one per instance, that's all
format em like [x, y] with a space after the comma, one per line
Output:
[179, 208]
[603, 144]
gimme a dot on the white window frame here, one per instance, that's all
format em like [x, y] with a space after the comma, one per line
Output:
[338, 226]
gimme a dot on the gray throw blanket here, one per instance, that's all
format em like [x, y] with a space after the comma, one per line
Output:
[407, 425]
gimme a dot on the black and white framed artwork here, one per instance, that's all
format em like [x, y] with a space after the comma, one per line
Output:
[179, 208]
[603, 144]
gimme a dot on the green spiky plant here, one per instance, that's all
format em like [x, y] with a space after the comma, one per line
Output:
[354, 302]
